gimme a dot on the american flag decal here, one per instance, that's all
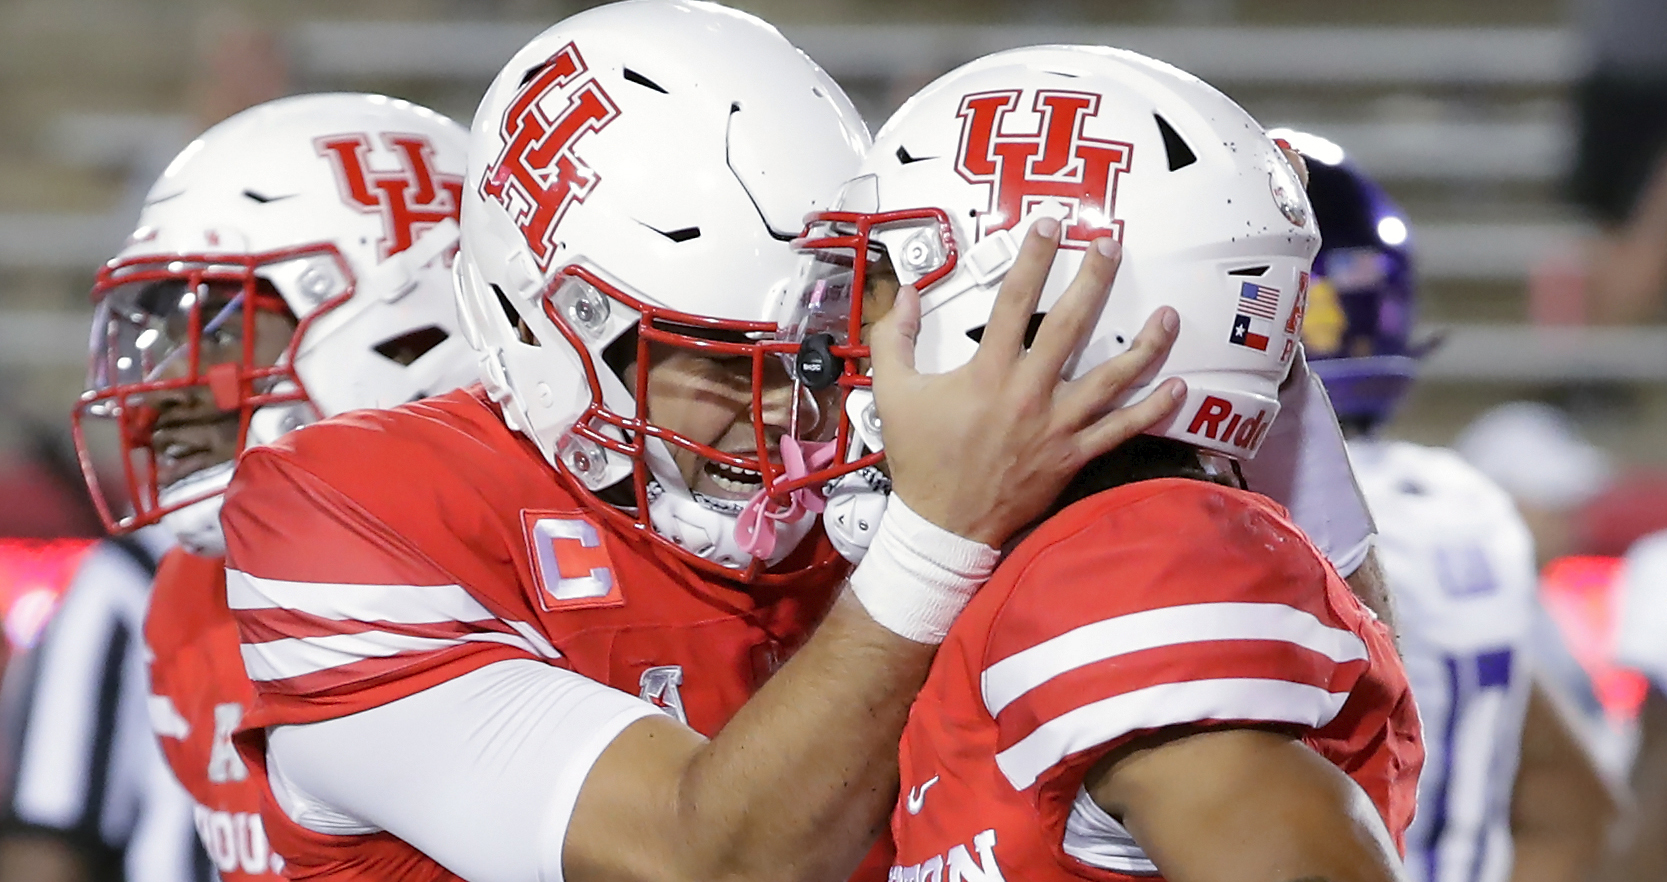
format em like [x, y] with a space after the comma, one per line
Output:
[1258, 300]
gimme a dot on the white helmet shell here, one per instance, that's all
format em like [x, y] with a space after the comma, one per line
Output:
[649, 155]
[343, 205]
[1211, 217]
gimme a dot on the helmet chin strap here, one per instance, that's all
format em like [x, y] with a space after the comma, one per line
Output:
[755, 529]
[196, 527]
[706, 530]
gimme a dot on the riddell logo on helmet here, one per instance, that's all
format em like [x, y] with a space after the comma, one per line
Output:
[537, 176]
[410, 198]
[1056, 165]
[1216, 420]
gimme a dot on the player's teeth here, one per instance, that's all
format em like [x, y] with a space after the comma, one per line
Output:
[733, 479]
[176, 450]
[732, 486]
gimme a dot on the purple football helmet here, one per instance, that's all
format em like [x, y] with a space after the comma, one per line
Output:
[1357, 330]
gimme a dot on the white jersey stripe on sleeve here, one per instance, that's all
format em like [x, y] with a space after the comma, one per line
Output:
[404, 604]
[539, 643]
[1006, 680]
[1165, 705]
[296, 656]
[299, 656]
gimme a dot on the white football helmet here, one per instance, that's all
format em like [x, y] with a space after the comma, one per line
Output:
[635, 176]
[1211, 216]
[335, 212]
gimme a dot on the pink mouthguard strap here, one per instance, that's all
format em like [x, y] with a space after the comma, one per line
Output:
[755, 529]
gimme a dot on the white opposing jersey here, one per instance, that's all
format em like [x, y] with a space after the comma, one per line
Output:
[1460, 565]
[1642, 624]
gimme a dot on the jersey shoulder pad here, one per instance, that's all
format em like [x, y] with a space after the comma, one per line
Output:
[1157, 544]
[1163, 603]
[184, 598]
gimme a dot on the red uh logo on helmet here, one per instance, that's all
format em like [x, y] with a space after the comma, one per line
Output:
[1055, 165]
[537, 176]
[411, 198]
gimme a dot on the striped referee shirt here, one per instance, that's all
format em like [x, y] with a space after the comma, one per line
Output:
[82, 762]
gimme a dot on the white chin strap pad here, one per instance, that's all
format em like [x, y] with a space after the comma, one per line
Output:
[1304, 465]
[852, 516]
[703, 530]
[710, 534]
[196, 527]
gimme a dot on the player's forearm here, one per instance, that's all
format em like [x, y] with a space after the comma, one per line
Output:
[800, 782]
[793, 789]
[1244, 805]
[802, 777]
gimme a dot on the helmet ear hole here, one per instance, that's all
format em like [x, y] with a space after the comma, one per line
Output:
[407, 348]
[510, 314]
[619, 354]
[513, 316]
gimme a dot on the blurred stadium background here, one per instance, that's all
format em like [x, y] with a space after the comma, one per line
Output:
[1462, 109]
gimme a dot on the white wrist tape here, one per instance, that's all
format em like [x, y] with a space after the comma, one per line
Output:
[917, 576]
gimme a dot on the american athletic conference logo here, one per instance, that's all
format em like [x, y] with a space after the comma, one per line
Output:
[1054, 165]
[411, 198]
[536, 177]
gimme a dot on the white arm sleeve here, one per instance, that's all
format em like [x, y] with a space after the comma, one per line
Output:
[480, 773]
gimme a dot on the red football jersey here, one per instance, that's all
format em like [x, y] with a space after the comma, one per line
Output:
[199, 696]
[378, 553]
[1156, 604]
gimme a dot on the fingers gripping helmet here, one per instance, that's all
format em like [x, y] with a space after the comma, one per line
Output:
[1363, 299]
[335, 213]
[1212, 220]
[635, 176]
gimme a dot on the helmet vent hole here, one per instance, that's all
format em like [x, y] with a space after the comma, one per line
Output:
[1031, 327]
[534, 71]
[632, 76]
[1248, 271]
[1180, 155]
[260, 197]
[682, 235]
[407, 348]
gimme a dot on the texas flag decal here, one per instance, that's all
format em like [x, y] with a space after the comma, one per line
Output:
[570, 560]
[1257, 307]
[1244, 335]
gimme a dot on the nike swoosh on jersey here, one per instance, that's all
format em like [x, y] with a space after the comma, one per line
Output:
[917, 796]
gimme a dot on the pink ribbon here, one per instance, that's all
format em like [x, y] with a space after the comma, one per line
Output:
[755, 528]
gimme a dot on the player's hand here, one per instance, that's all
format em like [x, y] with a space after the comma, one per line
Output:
[986, 448]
